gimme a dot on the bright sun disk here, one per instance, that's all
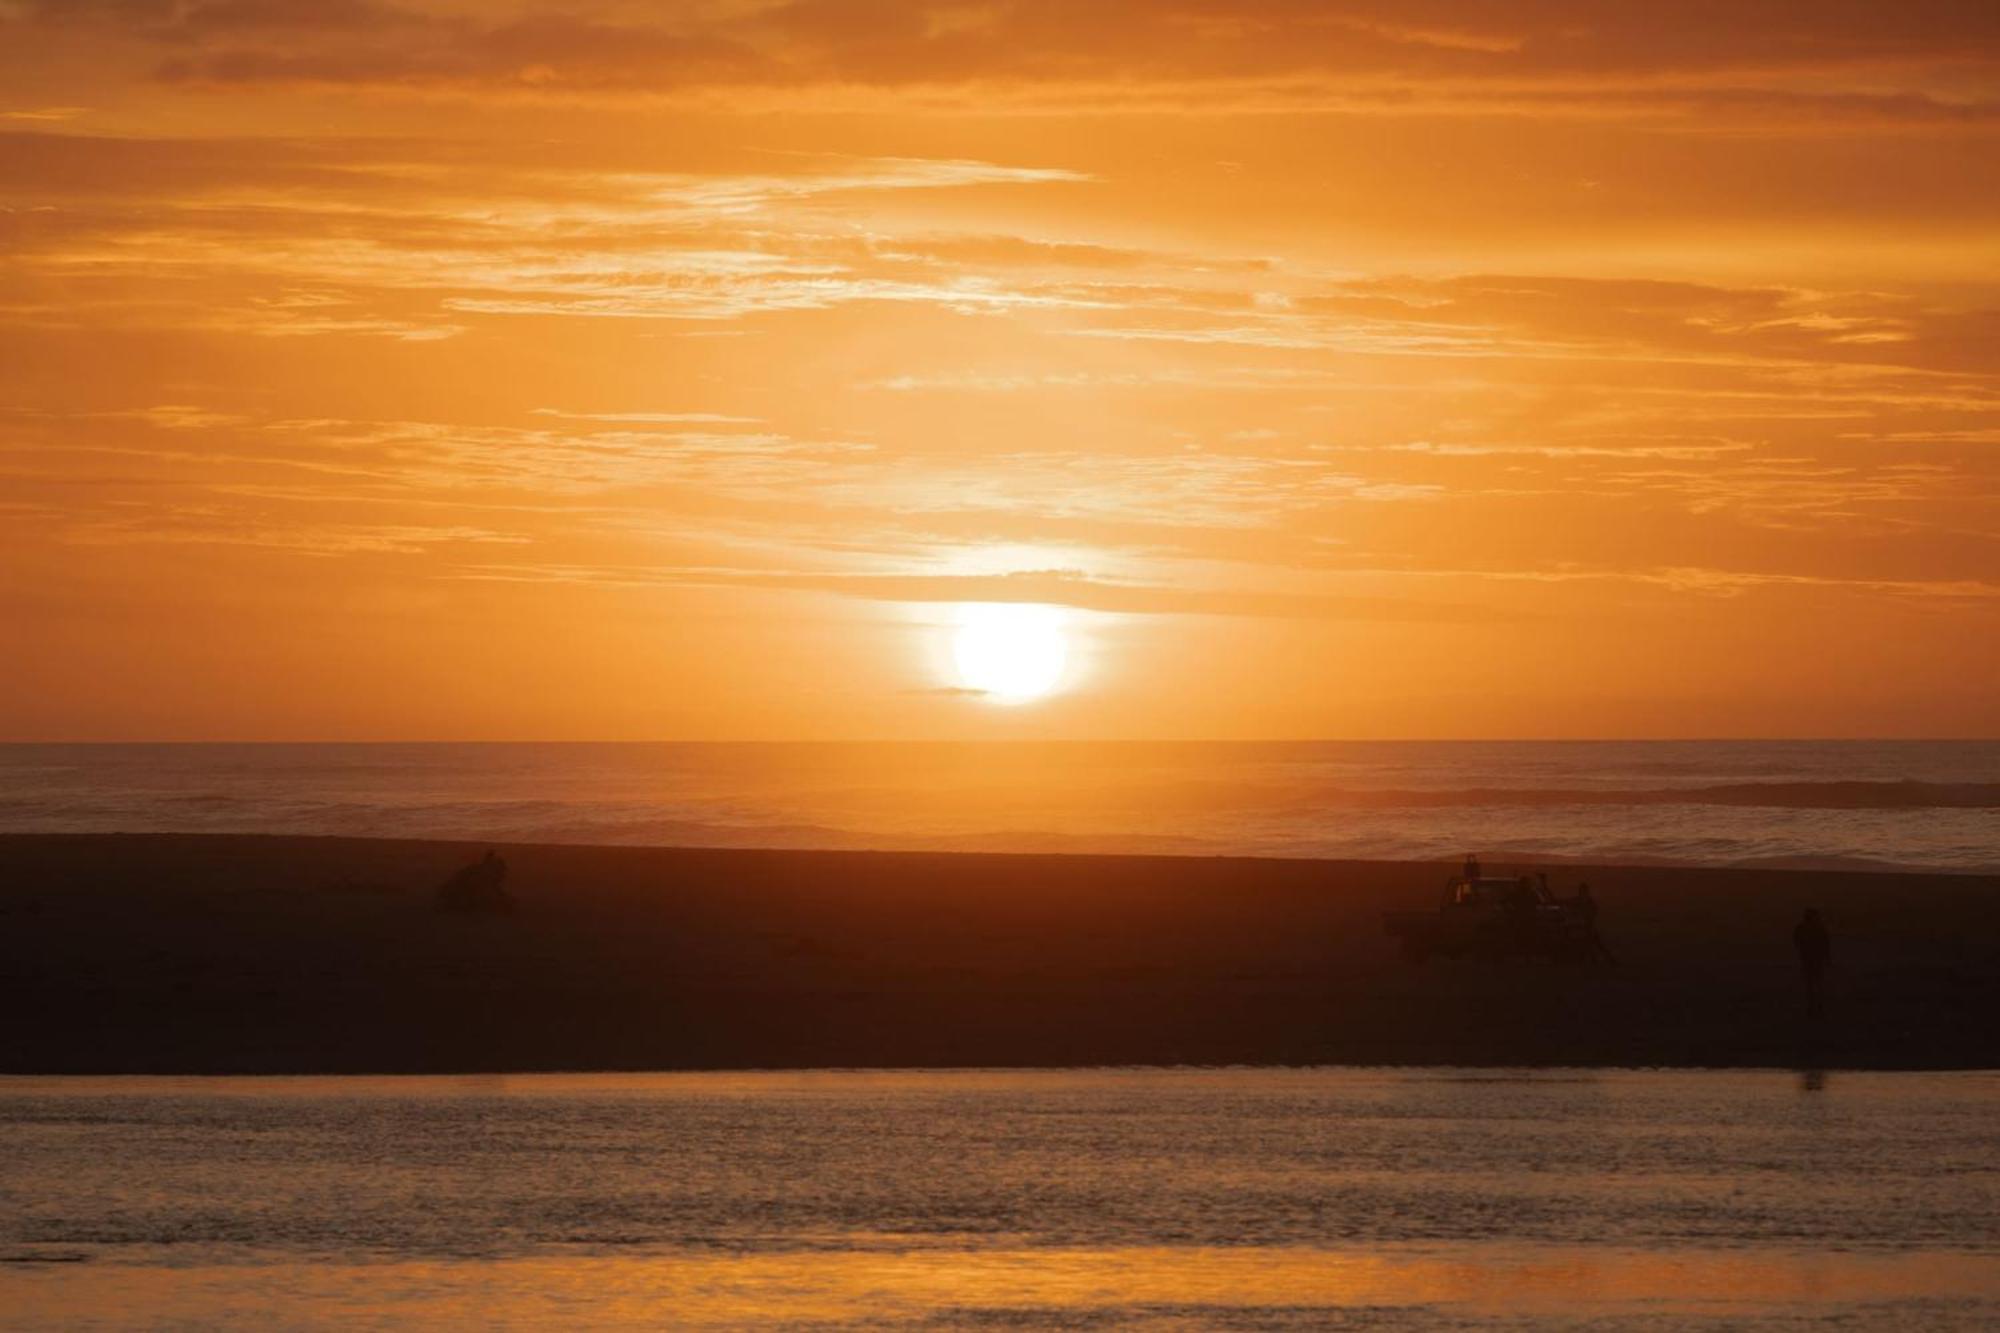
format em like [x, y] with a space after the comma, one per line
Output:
[1011, 652]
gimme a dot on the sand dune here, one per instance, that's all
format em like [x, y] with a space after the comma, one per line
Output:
[209, 954]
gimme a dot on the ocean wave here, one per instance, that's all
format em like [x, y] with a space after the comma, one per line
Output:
[1904, 795]
[1846, 805]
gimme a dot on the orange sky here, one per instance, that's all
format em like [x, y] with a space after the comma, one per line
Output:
[431, 369]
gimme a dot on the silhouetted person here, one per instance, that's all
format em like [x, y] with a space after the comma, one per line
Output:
[1472, 867]
[1815, 949]
[1585, 908]
[477, 887]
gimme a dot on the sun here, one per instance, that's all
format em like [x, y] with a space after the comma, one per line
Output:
[1010, 652]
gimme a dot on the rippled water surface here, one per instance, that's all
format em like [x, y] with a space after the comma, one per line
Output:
[1926, 805]
[1181, 1199]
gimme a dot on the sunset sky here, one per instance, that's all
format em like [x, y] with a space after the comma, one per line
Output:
[565, 369]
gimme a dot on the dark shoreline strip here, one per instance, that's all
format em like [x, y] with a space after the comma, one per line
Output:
[222, 954]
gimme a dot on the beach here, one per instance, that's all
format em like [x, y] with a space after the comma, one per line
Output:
[252, 954]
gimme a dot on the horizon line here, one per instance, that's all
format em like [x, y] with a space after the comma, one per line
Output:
[1038, 740]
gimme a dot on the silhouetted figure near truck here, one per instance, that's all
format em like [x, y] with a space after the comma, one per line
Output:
[478, 887]
[1815, 950]
[1585, 908]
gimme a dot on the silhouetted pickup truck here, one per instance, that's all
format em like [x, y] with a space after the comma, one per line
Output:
[1492, 918]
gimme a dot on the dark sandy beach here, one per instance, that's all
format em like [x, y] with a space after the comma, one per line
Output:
[175, 954]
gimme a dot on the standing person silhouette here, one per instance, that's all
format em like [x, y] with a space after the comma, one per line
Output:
[1585, 908]
[1471, 867]
[1815, 950]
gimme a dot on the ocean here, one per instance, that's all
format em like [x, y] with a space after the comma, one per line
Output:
[1144, 1199]
[1907, 805]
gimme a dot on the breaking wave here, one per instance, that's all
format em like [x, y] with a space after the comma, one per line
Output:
[1904, 795]
[1800, 805]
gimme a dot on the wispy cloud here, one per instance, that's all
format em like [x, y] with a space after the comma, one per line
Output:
[1889, 65]
[1360, 327]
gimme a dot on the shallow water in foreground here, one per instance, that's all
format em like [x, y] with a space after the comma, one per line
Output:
[1113, 1198]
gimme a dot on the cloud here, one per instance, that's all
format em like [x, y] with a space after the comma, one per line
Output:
[651, 418]
[1573, 52]
[331, 238]
[1067, 588]
[214, 525]
[44, 113]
